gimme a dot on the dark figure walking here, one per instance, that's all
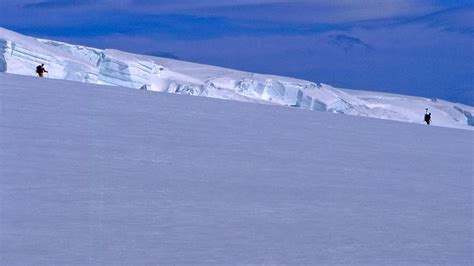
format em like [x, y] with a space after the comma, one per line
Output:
[41, 70]
[427, 117]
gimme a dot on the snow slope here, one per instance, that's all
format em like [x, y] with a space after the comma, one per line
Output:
[99, 175]
[20, 55]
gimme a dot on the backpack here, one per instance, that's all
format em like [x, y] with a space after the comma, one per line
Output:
[39, 69]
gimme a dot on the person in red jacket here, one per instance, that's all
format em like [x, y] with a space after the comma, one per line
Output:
[41, 70]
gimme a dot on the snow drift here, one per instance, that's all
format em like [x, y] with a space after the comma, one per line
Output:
[20, 55]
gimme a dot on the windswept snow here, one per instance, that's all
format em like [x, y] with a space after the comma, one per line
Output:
[98, 175]
[20, 55]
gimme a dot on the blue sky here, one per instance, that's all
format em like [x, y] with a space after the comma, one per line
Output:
[415, 47]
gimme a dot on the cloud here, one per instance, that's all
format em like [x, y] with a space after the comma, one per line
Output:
[460, 20]
[173, 26]
[55, 4]
[302, 11]
[192, 4]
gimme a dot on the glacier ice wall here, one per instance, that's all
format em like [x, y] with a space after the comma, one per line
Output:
[20, 55]
[3, 49]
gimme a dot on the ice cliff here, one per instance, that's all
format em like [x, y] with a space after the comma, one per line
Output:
[21, 54]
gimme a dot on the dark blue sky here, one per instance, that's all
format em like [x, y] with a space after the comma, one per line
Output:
[415, 47]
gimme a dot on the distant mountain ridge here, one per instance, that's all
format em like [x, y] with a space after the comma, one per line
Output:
[20, 54]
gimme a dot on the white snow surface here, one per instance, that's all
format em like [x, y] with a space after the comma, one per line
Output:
[100, 175]
[21, 54]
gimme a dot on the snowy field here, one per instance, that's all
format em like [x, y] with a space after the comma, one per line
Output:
[98, 175]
